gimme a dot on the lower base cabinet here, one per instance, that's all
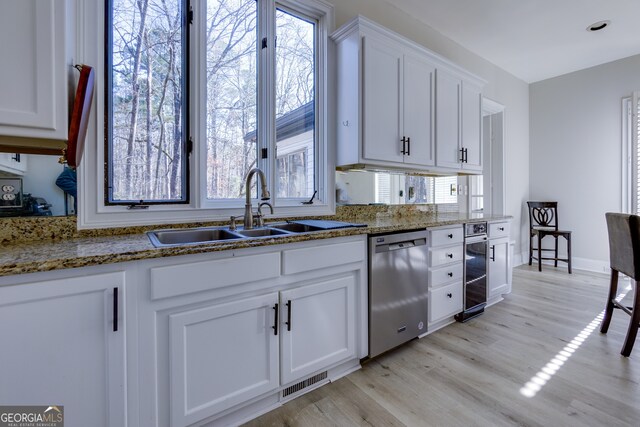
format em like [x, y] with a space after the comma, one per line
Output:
[219, 343]
[499, 266]
[62, 346]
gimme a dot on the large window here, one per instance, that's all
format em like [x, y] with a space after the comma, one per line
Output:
[243, 79]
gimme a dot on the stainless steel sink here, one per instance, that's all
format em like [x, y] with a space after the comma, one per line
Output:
[177, 237]
[295, 227]
[263, 232]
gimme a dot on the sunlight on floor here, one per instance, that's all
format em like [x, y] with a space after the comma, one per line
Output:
[538, 381]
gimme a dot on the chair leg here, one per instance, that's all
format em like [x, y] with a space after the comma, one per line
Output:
[530, 248]
[555, 261]
[539, 252]
[608, 310]
[569, 251]
[633, 324]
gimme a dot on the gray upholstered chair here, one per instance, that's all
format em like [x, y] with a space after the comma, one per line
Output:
[624, 256]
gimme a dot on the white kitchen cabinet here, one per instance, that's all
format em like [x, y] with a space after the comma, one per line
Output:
[319, 326]
[458, 123]
[385, 108]
[222, 355]
[35, 69]
[499, 269]
[446, 271]
[63, 344]
[387, 105]
[397, 104]
[13, 163]
[208, 326]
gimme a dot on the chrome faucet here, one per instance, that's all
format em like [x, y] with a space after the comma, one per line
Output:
[248, 209]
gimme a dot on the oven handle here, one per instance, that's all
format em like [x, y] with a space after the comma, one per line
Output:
[476, 239]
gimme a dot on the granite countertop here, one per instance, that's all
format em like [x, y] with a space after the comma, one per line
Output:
[37, 256]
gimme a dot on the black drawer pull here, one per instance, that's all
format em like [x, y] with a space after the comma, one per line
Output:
[450, 236]
[449, 295]
[450, 274]
[115, 309]
[450, 256]
[275, 326]
[501, 228]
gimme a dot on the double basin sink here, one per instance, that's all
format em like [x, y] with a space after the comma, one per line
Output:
[188, 236]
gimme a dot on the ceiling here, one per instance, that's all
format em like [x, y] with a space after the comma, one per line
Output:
[535, 39]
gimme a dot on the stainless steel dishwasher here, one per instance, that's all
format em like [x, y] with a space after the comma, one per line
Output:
[398, 289]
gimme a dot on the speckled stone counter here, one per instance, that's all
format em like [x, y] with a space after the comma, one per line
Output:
[46, 255]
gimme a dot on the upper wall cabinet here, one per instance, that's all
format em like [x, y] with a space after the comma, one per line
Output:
[34, 73]
[387, 107]
[458, 123]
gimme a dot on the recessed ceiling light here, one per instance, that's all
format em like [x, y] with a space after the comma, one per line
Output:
[598, 25]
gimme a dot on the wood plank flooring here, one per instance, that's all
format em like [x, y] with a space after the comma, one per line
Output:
[472, 374]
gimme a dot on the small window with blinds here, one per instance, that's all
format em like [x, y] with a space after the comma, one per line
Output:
[631, 154]
[635, 157]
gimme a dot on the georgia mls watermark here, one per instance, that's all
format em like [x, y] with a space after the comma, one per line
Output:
[32, 416]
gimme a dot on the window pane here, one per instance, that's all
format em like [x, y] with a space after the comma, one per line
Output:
[295, 104]
[146, 109]
[443, 187]
[231, 96]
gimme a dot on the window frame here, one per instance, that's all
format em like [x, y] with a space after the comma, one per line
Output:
[93, 212]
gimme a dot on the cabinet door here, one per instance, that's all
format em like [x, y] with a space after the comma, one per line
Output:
[498, 267]
[33, 76]
[222, 355]
[321, 326]
[418, 110]
[13, 163]
[471, 127]
[381, 101]
[59, 347]
[448, 96]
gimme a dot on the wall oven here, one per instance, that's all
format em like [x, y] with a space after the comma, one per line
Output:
[476, 248]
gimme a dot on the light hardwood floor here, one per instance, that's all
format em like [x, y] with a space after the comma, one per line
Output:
[472, 374]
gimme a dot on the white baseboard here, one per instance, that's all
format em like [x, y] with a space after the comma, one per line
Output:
[585, 264]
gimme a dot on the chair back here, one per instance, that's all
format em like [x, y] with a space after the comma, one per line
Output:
[543, 215]
[624, 243]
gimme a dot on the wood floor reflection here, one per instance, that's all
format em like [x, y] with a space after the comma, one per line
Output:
[472, 374]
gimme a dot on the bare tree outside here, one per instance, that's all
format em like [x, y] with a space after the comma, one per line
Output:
[147, 108]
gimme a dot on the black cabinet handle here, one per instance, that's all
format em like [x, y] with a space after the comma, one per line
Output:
[275, 324]
[450, 274]
[408, 146]
[450, 235]
[288, 322]
[462, 155]
[450, 296]
[450, 256]
[466, 155]
[493, 252]
[404, 141]
[115, 309]
[501, 228]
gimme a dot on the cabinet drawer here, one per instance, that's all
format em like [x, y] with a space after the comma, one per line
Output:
[306, 259]
[442, 275]
[499, 229]
[446, 236]
[447, 255]
[445, 301]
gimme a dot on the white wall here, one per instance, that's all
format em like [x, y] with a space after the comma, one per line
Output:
[576, 151]
[502, 87]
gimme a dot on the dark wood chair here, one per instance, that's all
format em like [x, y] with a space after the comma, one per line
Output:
[543, 222]
[624, 257]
